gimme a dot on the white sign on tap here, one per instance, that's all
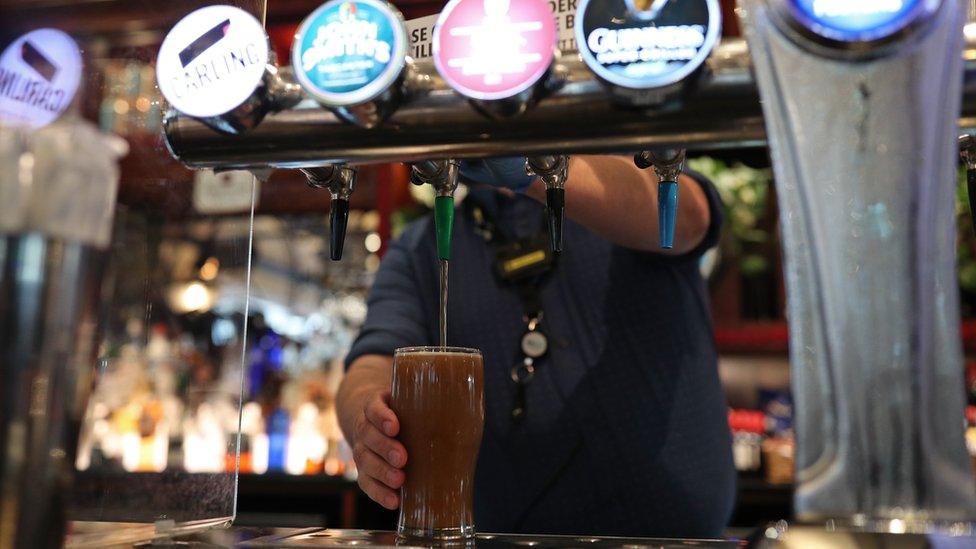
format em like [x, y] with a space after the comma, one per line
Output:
[212, 61]
[421, 29]
[39, 75]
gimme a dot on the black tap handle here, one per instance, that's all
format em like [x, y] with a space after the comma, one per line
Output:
[556, 211]
[338, 219]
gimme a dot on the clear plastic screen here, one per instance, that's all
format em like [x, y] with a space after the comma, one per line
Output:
[158, 444]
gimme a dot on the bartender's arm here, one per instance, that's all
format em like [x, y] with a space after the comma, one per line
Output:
[614, 198]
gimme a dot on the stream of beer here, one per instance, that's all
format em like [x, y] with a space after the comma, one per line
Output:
[443, 304]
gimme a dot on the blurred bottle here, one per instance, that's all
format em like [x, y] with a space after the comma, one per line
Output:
[748, 428]
[778, 455]
[264, 360]
[278, 424]
[306, 445]
[253, 446]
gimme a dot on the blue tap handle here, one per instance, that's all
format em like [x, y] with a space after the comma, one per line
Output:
[667, 208]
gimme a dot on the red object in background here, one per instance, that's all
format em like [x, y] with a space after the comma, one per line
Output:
[771, 337]
[282, 37]
[391, 194]
[748, 421]
[730, 22]
[970, 371]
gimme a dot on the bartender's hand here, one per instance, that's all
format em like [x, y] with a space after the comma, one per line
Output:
[505, 173]
[371, 427]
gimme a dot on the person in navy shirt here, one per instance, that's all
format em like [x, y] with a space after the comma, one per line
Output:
[624, 430]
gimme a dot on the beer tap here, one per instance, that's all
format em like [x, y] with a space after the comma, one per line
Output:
[967, 153]
[236, 100]
[340, 180]
[667, 164]
[359, 75]
[553, 171]
[443, 176]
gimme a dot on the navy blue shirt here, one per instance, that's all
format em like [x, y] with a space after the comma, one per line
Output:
[626, 430]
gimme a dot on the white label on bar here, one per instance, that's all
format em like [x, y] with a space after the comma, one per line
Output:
[224, 192]
[421, 29]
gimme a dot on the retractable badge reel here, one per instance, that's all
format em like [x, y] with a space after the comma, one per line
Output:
[534, 345]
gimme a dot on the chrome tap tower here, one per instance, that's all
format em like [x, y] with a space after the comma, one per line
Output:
[861, 114]
[52, 255]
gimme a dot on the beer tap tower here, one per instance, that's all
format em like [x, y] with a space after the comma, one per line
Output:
[861, 103]
[860, 113]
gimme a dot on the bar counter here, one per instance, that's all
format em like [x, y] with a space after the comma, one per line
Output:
[320, 537]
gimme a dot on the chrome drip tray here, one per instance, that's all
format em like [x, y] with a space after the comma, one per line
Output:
[382, 539]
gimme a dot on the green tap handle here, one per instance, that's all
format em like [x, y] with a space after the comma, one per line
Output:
[444, 225]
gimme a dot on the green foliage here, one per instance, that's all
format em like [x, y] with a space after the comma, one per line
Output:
[744, 192]
[966, 240]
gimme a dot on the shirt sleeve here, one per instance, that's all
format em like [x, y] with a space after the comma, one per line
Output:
[716, 215]
[395, 314]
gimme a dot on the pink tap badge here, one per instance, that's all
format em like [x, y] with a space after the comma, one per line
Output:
[494, 49]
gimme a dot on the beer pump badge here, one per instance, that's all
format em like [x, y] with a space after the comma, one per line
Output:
[861, 21]
[494, 49]
[39, 75]
[350, 51]
[212, 61]
[644, 44]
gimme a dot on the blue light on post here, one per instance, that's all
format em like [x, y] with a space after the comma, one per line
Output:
[853, 21]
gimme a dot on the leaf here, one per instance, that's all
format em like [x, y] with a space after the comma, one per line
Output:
[753, 264]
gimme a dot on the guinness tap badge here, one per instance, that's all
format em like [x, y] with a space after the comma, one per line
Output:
[646, 44]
